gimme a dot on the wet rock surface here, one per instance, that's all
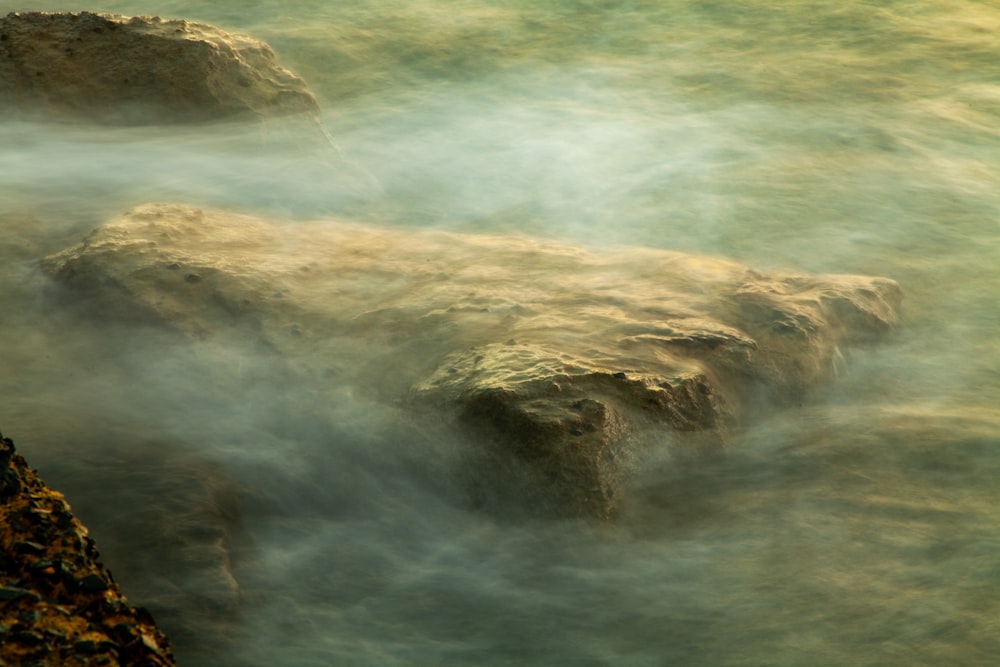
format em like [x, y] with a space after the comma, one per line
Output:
[167, 520]
[560, 366]
[140, 70]
[58, 604]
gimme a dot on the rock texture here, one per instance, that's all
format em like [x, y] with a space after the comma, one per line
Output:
[58, 604]
[559, 364]
[167, 520]
[139, 70]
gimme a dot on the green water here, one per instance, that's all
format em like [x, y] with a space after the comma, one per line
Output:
[849, 137]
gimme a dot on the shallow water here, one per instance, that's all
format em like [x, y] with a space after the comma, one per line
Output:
[859, 528]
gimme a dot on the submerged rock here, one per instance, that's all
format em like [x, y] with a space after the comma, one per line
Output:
[559, 365]
[58, 604]
[140, 70]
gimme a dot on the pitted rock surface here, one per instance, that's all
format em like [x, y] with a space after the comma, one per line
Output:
[58, 604]
[139, 70]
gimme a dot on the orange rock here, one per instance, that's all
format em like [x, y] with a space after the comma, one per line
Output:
[59, 606]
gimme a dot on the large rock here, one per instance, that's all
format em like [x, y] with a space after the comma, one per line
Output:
[140, 70]
[58, 604]
[558, 363]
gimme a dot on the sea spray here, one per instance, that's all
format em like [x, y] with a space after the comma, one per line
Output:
[857, 528]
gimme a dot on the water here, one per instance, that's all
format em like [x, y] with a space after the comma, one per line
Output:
[860, 528]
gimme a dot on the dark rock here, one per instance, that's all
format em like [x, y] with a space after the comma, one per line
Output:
[27, 637]
[8, 593]
[88, 646]
[92, 583]
[140, 70]
[28, 547]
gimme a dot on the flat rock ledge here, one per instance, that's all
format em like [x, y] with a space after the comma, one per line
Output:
[139, 70]
[559, 366]
[58, 605]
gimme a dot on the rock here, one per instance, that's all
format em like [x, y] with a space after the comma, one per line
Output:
[139, 70]
[561, 365]
[60, 606]
[167, 519]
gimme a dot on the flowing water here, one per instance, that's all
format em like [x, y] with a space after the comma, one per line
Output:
[859, 528]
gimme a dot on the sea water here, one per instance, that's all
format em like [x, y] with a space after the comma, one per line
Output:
[265, 523]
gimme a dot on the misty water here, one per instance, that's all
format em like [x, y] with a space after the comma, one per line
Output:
[860, 527]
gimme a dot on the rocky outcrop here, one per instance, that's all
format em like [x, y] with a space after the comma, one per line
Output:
[139, 70]
[58, 604]
[167, 519]
[559, 365]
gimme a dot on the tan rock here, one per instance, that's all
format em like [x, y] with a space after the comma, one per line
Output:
[559, 364]
[139, 70]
